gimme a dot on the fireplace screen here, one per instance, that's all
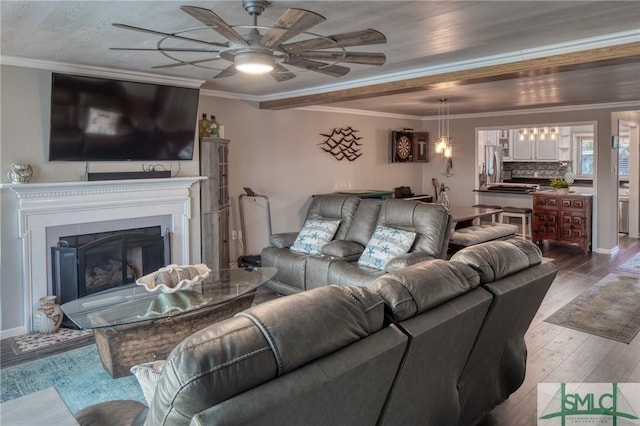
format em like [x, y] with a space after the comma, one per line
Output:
[87, 264]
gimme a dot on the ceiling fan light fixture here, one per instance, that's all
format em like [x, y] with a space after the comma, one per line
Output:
[254, 62]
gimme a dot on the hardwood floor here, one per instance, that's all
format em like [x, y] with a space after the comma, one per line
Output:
[561, 355]
[555, 353]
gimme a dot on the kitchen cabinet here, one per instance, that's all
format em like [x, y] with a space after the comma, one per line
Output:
[522, 149]
[536, 148]
[488, 137]
[563, 218]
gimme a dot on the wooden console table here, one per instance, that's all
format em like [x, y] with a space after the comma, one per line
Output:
[562, 218]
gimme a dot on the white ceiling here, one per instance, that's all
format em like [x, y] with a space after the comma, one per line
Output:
[423, 38]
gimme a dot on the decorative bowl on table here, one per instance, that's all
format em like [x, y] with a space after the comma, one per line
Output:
[174, 278]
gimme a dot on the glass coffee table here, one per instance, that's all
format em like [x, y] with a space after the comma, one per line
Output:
[132, 325]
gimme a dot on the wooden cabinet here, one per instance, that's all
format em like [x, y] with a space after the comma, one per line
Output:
[563, 218]
[214, 202]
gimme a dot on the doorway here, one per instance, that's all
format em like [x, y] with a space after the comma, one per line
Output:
[629, 176]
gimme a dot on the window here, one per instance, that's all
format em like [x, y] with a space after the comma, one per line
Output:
[583, 158]
[623, 159]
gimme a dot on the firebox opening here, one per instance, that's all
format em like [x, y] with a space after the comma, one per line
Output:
[90, 263]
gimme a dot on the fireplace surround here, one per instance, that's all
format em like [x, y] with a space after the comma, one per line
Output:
[47, 211]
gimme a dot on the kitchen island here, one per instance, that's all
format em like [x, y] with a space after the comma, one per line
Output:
[503, 198]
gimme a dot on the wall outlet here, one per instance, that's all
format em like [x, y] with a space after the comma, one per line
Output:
[535, 174]
[234, 235]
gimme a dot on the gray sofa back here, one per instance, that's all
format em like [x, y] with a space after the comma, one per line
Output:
[431, 223]
[513, 272]
[341, 207]
[291, 335]
[364, 221]
[439, 306]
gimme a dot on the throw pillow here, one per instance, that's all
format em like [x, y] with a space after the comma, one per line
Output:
[147, 375]
[314, 234]
[384, 245]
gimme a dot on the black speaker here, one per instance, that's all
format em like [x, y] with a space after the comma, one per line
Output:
[129, 175]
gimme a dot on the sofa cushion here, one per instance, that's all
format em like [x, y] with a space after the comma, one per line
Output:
[385, 244]
[477, 234]
[342, 249]
[418, 288]
[497, 259]
[314, 234]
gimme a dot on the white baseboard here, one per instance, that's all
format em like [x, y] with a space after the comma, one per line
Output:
[610, 251]
[12, 332]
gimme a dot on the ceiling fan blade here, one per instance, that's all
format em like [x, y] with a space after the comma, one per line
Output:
[227, 72]
[280, 73]
[290, 24]
[357, 38]
[177, 37]
[332, 70]
[179, 64]
[207, 17]
[167, 49]
[347, 57]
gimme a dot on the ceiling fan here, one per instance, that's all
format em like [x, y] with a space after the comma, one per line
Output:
[257, 52]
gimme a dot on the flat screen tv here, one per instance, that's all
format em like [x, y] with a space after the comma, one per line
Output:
[97, 119]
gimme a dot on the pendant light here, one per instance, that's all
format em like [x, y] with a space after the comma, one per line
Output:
[443, 144]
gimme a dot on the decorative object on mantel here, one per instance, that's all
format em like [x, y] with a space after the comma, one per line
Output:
[342, 143]
[48, 316]
[20, 173]
[173, 278]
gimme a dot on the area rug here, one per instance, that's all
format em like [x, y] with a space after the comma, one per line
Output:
[76, 374]
[37, 341]
[631, 265]
[611, 309]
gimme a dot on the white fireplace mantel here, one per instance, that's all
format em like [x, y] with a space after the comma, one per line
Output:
[44, 206]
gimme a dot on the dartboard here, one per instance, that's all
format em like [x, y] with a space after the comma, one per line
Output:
[403, 147]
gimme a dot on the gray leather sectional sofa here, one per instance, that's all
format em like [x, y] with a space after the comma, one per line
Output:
[338, 261]
[435, 343]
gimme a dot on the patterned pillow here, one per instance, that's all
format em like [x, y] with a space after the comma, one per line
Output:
[384, 245]
[314, 234]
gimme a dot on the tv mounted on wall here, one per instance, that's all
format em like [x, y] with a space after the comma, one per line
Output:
[97, 119]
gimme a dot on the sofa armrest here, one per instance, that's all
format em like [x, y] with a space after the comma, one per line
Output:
[283, 240]
[345, 250]
[407, 259]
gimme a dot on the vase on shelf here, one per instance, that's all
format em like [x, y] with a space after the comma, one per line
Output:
[20, 173]
[48, 317]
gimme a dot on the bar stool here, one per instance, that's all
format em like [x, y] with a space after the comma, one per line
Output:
[494, 217]
[525, 215]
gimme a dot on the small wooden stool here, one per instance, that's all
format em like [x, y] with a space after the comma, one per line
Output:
[522, 213]
[495, 218]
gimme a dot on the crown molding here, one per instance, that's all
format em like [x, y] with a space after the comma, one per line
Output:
[93, 71]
